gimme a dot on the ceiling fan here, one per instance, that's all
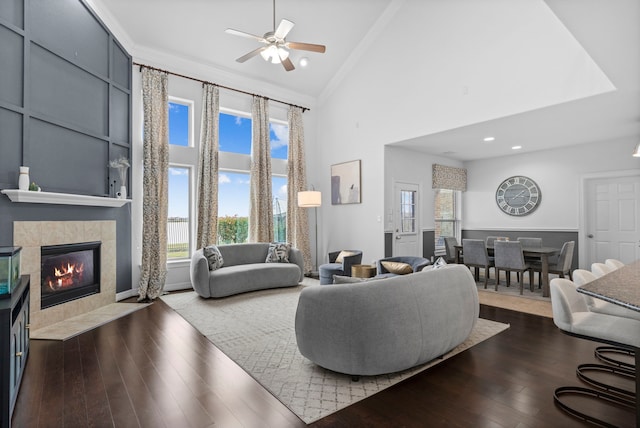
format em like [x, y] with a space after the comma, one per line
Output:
[276, 49]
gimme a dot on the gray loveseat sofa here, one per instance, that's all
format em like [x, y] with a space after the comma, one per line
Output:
[244, 269]
[387, 325]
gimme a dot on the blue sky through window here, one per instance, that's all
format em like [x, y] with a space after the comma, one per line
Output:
[233, 187]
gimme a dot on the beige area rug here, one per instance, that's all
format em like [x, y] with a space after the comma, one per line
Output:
[71, 327]
[530, 302]
[256, 330]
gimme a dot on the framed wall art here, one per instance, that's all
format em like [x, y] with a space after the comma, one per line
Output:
[345, 183]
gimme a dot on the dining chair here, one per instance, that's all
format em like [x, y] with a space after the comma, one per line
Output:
[582, 277]
[530, 242]
[489, 240]
[613, 263]
[600, 269]
[476, 256]
[449, 245]
[562, 265]
[508, 257]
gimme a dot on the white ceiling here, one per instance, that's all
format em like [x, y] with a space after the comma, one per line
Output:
[606, 32]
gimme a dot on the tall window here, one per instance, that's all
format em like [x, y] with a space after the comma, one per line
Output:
[178, 233]
[181, 155]
[446, 215]
[233, 185]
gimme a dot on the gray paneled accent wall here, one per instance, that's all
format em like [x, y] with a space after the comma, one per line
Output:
[65, 111]
[549, 238]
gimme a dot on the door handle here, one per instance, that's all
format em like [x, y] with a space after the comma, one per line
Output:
[590, 235]
[398, 237]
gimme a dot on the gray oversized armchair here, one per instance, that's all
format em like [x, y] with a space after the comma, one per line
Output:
[339, 264]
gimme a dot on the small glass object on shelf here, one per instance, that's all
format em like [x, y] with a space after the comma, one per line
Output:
[9, 270]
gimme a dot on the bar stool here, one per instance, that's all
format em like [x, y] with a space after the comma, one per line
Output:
[572, 316]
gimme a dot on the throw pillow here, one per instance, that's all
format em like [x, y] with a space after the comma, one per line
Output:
[214, 257]
[398, 268]
[344, 254]
[278, 252]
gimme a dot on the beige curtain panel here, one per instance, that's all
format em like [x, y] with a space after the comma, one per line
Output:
[155, 98]
[260, 198]
[208, 168]
[297, 218]
[448, 177]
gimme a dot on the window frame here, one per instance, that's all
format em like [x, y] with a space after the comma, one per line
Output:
[456, 221]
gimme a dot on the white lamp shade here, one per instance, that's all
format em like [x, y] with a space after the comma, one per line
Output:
[309, 199]
[636, 152]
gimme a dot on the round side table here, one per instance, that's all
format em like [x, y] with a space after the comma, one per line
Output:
[363, 271]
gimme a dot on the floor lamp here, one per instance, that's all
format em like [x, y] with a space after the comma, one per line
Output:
[312, 199]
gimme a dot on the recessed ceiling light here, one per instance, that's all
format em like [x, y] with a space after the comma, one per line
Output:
[304, 61]
[516, 147]
[487, 139]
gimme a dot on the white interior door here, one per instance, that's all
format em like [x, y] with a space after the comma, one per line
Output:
[406, 235]
[612, 219]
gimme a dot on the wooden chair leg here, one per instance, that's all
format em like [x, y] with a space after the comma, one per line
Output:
[486, 276]
[497, 278]
[522, 283]
[531, 279]
[508, 274]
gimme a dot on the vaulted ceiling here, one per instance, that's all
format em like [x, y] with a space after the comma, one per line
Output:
[575, 63]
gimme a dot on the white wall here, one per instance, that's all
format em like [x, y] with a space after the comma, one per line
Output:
[557, 172]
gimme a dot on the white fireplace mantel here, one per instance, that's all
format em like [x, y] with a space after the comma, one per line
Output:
[62, 198]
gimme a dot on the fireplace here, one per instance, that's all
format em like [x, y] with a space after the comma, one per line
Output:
[69, 272]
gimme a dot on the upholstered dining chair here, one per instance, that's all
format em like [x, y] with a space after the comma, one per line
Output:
[340, 263]
[508, 257]
[530, 242]
[582, 277]
[600, 269]
[476, 256]
[489, 240]
[449, 245]
[562, 265]
[613, 263]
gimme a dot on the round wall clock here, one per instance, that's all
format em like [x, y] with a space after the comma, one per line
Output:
[518, 195]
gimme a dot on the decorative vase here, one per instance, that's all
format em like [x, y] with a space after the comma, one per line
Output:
[23, 179]
[122, 194]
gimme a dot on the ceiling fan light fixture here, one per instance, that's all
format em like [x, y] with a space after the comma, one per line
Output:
[304, 61]
[274, 54]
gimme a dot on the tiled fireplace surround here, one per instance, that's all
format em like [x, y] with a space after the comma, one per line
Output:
[31, 235]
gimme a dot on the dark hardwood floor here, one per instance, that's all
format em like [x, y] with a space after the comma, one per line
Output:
[153, 369]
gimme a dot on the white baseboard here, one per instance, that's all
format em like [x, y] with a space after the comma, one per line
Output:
[126, 294]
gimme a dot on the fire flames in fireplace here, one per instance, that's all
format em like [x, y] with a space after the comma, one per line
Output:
[69, 272]
[66, 276]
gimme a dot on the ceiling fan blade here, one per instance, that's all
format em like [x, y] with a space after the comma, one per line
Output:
[287, 64]
[251, 54]
[243, 34]
[306, 47]
[283, 29]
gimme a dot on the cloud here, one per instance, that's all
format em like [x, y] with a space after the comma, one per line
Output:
[282, 192]
[223, 178]
[238, 120]
[281, 132]
[178, 171]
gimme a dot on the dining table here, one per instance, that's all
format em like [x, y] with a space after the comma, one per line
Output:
[620, 287]
[541, 253]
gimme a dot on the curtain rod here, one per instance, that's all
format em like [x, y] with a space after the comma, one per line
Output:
[220, 86]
